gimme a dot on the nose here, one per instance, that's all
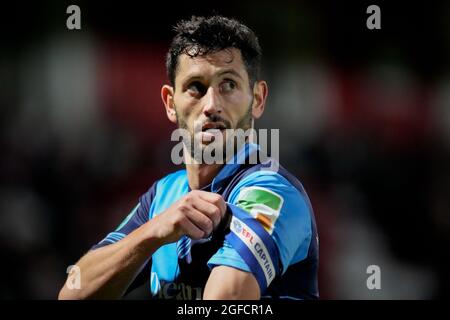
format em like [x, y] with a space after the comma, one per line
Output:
[212, 102]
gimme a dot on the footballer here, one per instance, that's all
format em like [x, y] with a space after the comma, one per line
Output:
[232, 229]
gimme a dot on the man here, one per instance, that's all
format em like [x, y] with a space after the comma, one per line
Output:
[237, 230]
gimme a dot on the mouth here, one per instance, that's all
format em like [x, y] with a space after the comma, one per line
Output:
[213, 127]
[211, 131]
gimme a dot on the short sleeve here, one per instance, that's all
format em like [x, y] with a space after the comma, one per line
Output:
[270, 227]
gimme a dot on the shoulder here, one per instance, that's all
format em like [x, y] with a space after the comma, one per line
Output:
[162, 185]
[173, 177]
[277, 190]
[274, 179]
[167, 190]
[171, 180]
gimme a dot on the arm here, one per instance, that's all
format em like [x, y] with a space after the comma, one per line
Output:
[107, 272]
[227, 283]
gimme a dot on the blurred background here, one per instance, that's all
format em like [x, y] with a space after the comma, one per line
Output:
[364, 119]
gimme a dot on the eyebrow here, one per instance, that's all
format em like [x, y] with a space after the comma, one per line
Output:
[232, 71]
[197, 76]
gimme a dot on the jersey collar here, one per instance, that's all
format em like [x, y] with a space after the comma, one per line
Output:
[233, 165]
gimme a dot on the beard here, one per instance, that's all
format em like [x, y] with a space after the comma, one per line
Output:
[195, 144]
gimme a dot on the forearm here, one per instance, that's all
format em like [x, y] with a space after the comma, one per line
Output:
[107, 272]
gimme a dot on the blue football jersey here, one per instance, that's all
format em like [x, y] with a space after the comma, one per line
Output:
[269, 230]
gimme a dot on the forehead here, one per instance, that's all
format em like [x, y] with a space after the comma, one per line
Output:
[211, 64]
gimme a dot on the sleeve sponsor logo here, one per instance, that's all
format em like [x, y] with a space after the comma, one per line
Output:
[262, 204]
[237, 226]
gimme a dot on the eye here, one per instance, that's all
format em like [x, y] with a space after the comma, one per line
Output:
[227, 86]
[196, 88]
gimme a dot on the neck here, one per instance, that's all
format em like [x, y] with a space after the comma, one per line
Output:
[200, 175]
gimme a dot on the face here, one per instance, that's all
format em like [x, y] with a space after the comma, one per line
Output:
[212, 93]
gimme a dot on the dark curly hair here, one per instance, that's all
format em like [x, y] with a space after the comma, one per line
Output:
[204, 35]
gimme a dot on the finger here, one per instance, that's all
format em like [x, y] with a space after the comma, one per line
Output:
[191, 230]
[202, 221]
[215, 199]
[209, 209]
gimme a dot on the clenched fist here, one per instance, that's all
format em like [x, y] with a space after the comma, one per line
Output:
[195, 215]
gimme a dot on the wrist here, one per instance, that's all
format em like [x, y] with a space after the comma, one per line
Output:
[148, 238]
[153, 236]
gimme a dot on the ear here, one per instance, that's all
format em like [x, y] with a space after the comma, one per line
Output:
[260, 91]
[167, 98]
